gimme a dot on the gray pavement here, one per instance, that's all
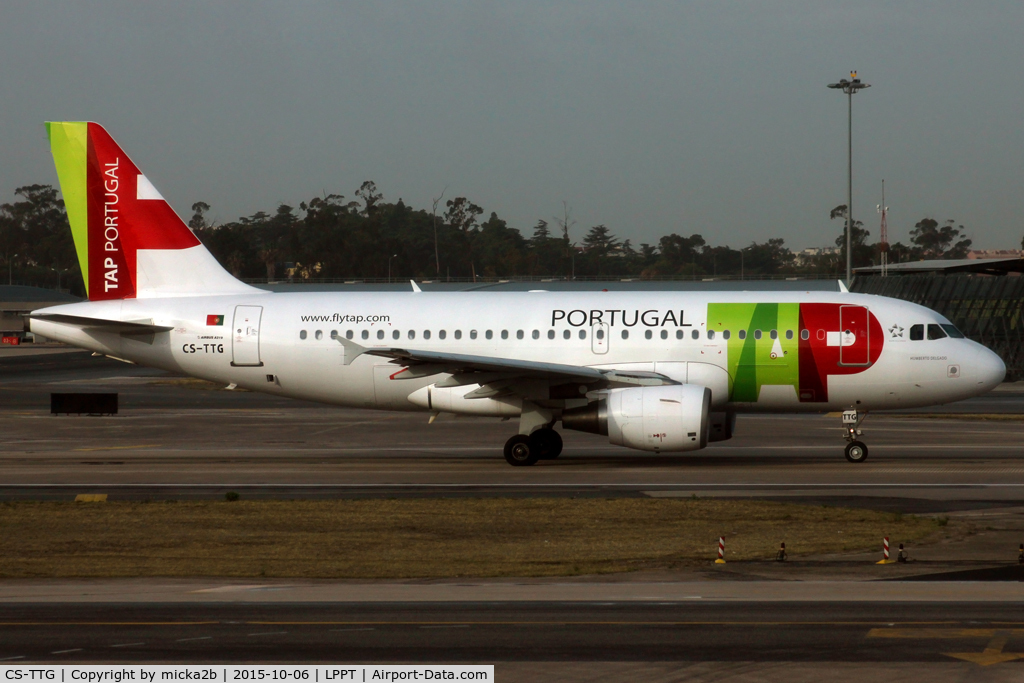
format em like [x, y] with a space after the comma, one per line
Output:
[840, 617]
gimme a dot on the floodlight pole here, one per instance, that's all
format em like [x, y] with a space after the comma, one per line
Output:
[849, 87]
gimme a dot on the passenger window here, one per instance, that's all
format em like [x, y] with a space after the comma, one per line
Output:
[916, 332]
[412, 334]
[396, 334]
[348, 334]
[472, 334]
[679, 334]
[757, 334]
[320, 334]
[551, 334]
[334, 334]
[711, 334]
[664, 334]
[426, 334]
[774, 334]
[302, 334]
[805, 334]
[647, 334]
[504, 334]
[380, 334]
[695, 334]
[536, 334]
[567, 334]
[365, 335]
[952, 331]
[458, 334]
[726, 334]
[789, 334]
[441, 334]
[583, 334]
[935, 332]
[743, 334]
[625, 334]
[519, 334]
[489, 334]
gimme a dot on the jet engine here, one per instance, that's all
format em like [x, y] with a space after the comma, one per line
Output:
[662, 419]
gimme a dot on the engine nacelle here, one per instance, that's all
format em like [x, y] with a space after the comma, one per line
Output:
[662, 419]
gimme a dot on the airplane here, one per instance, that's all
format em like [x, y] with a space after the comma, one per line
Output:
[663, 372]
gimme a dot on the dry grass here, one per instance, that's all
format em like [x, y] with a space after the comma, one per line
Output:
[421, 538]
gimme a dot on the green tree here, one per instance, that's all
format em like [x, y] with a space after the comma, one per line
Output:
[461, 216]
[198, 221]
[946, 242]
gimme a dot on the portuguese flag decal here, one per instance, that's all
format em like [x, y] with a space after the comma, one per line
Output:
[214, 320]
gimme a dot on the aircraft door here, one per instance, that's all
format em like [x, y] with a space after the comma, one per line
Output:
[854, 336]
[600, 335]
[245, 336]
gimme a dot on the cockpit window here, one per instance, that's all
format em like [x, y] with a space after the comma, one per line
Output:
[916, 332]
[952, 331]
[935, 332]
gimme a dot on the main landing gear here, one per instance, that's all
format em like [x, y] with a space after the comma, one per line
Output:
[856, 451]
[543, 444]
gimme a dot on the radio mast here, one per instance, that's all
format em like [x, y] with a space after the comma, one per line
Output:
[884, 242]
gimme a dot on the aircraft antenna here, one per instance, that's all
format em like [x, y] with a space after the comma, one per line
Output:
[884, 241]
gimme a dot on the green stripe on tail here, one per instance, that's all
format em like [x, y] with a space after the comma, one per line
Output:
[69, 142]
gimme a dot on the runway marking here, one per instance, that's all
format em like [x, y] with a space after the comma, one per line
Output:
[127, 644]
[560, 622]
[120, 448]
[1008, 625]
[186, 640]
[992, 654]
[7, 659]
[347, 630]
[109, 623]
[61, 652]
[447, 626]
[268, 633]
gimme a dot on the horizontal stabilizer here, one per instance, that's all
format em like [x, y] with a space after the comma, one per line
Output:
[116, 326]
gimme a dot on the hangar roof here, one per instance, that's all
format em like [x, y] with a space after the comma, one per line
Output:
[989, 266]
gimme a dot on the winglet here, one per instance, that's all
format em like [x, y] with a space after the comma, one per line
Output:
[415, 287]
[842, 287]
[352, 350]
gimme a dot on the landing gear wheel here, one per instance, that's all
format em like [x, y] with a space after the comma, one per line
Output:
[546, 443]
[856, 451]
[519, 452]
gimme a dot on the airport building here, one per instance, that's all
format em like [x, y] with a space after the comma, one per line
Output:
[17, 301]
[982, 297]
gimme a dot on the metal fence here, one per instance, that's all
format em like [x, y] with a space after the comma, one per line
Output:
[989, 310]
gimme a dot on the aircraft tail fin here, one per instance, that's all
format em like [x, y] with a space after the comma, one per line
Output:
[130, 243]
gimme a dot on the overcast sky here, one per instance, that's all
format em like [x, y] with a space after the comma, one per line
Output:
[648, 117]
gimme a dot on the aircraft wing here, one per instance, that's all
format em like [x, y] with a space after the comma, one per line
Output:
[467, 369]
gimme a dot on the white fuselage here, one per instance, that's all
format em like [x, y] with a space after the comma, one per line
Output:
[282, 343]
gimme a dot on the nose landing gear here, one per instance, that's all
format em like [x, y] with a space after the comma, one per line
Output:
[856, 451]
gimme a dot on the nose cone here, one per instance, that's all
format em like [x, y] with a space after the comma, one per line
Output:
[990, 370]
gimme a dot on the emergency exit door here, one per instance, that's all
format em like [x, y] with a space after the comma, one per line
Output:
[854, 336]
[245, 336]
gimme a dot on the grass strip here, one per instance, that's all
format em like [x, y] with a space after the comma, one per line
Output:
[423, 538]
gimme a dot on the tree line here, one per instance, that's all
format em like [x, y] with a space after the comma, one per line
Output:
[368, 237]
